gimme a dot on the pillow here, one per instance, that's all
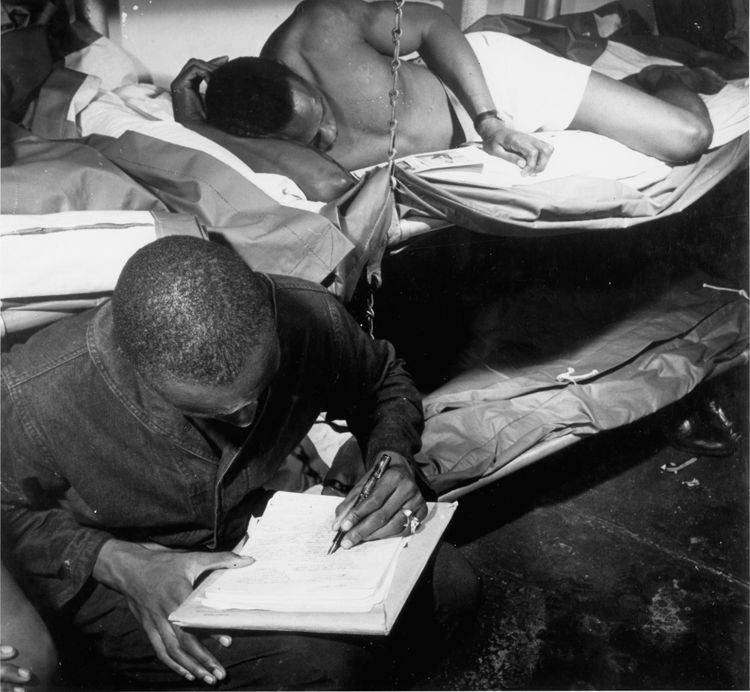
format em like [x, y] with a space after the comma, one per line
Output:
[147, 109]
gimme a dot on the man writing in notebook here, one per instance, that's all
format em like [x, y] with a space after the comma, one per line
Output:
[138, 438]
[324, 76]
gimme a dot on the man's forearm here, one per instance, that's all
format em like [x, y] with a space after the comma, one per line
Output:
[113, 563]
[435, 36]
[373, 392]
[393, 419]
[398, 420]
[449, 56]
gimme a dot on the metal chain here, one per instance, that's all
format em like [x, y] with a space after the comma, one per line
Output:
[393, 95]
[370, 311]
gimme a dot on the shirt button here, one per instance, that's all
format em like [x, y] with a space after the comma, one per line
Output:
[65, 570]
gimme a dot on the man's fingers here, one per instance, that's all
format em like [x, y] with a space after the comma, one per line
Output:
[363, 529]
[204, 68]
[531, 156]
[343, 508]
[179, 650]
[214, 63]
[163, 655]
[502, 153]
[12, 673]
[400, 507]
[383, 523]
[544, 156]
[386, 519]
[195, 64]
[7, 652]
[183, 651]
[346, 519]
[196, 71]
[374, 515]
[511, 156]
[224, 639]
[527, 152]
[400, 520]
[191, 646]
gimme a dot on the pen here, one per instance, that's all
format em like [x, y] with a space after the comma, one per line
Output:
[369, 486]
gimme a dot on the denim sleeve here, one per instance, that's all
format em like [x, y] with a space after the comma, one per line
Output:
[374, 392]
[55, 554]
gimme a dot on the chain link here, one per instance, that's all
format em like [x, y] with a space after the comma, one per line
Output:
[394, 93]
[370, 312]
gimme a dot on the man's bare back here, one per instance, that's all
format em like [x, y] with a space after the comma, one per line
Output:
[324, 44]
[344, 48]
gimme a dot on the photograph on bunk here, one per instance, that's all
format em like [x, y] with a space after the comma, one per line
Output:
[374, 344]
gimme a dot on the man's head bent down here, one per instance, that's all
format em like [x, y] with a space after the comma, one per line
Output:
[255, 97]
[197, 324]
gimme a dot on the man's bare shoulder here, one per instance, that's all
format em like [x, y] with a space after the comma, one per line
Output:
[315, 20]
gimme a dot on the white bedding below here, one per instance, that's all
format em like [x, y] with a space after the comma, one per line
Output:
[576, 153]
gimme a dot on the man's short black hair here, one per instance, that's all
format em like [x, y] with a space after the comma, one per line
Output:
[250, 97]
[190, 310]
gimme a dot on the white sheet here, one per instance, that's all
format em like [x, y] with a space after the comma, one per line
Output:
[68, 253]
[576, 153]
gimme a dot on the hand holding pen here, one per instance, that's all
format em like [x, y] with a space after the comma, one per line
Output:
[388, 503]
[369, 486]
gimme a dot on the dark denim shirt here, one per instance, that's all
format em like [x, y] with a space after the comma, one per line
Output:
[90, 451]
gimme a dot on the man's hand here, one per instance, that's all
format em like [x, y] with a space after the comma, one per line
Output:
[526, 151]
[381, 514]
[12, 676]
[187, 101]
[155, 580]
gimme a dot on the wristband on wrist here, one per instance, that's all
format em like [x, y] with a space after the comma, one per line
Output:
[485, 115]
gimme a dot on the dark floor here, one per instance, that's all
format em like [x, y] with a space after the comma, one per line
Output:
[601, 569]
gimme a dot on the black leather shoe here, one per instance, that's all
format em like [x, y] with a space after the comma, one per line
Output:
[695, 435]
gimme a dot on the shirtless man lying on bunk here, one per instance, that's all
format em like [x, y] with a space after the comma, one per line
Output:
[324, 76]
